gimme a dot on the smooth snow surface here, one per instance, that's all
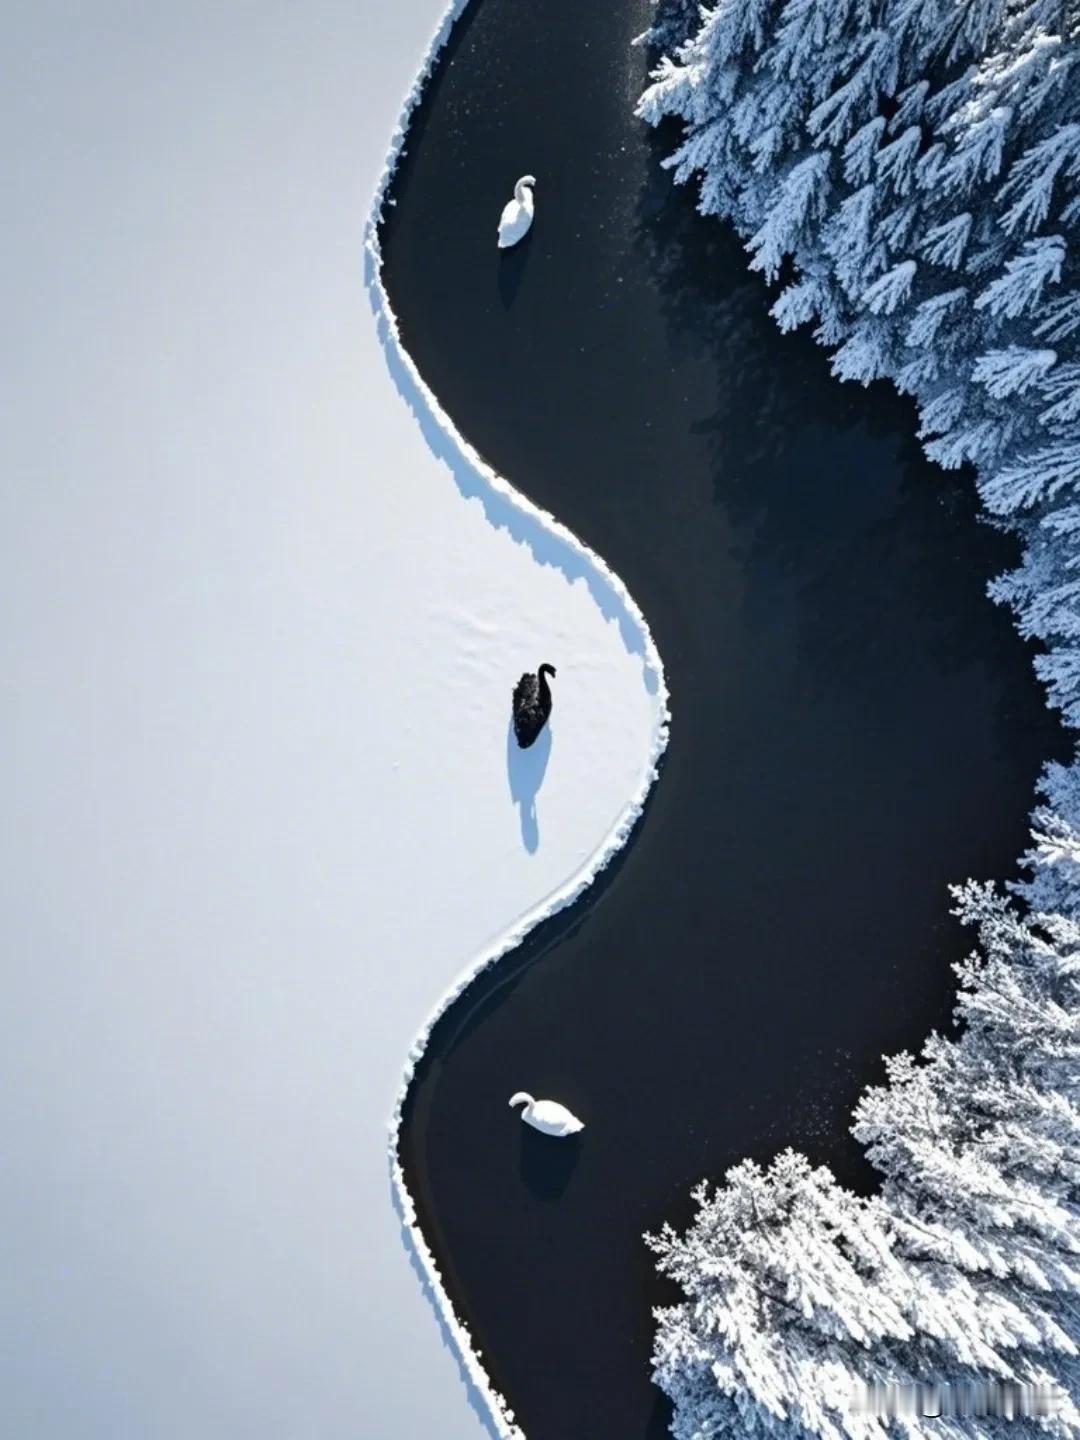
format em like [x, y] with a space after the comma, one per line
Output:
[262, 619]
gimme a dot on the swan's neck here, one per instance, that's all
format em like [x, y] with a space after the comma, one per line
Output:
[522, 193]
[543, 687]
[522, 1098]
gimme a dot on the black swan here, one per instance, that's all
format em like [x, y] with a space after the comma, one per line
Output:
[532, 704]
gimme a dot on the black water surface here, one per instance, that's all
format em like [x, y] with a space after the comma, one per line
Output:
[855, 725]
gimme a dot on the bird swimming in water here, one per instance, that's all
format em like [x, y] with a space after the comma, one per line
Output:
[532, 704]
[547, 1116]
[517, 213]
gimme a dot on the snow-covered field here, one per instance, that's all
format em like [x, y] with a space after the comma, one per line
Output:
[260, 621]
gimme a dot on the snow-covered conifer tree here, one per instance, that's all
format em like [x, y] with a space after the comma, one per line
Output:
[916, 164]
[673, 22]
[801, 1296]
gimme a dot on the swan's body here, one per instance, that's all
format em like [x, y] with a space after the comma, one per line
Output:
[517, 213]
[532, 704]
[548, 1116]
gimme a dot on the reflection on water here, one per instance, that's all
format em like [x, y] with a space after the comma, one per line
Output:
[546, 1163]
[511, 265]
[854, 725]
[793, 476]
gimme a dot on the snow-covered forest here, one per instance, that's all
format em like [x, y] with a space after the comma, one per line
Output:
[907, 172]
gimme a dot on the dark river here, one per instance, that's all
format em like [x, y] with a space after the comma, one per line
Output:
[854, 723]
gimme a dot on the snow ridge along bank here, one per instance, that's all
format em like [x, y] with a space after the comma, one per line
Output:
[551, 544]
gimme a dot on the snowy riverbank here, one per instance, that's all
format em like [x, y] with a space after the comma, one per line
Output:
[551, 544]
[261, 629]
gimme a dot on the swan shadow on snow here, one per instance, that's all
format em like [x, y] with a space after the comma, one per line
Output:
[547, 1164]
[511, 269]
[525, 770]
[502, 510]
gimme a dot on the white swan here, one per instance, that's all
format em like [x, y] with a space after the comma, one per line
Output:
[517, 213]
[547, 1115]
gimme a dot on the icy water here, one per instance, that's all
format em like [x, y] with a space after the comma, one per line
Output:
[854, 724]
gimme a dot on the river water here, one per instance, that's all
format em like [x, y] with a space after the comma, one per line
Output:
[854, 724]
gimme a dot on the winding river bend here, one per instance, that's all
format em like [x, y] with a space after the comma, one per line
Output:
[854, 724]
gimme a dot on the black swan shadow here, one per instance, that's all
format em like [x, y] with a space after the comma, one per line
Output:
[511, 269]
[525, 770]
[546, 1163]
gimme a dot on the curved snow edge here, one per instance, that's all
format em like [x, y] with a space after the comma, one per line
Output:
[500, 1414]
